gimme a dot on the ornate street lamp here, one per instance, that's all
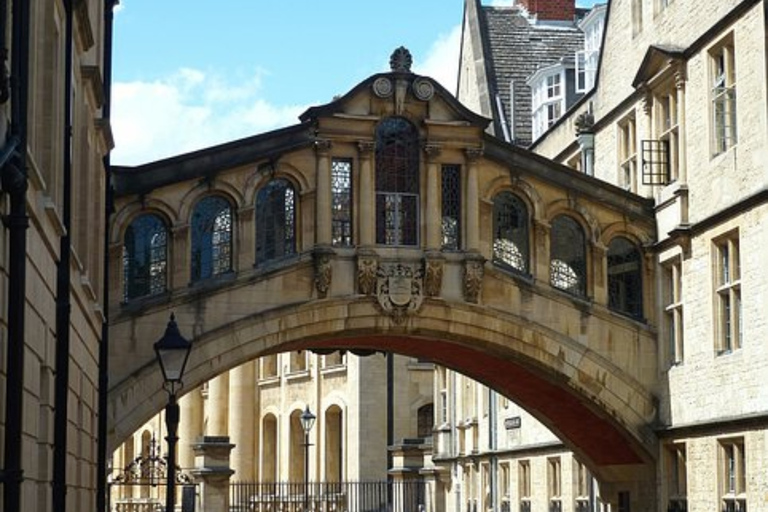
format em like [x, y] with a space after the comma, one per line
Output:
[307, 422]
[172, 353]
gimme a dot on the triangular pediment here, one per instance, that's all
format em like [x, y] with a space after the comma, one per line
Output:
[657, 60]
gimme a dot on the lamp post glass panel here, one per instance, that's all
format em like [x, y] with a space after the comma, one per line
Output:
[307, 422]
[172, 353]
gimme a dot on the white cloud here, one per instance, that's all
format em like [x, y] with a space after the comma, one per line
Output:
[189, 110]
[442, 62]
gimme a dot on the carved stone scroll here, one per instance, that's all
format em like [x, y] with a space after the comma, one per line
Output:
[322, 257]
[473, 278]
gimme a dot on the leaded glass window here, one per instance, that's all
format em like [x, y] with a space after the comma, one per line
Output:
[510, 232]
[451, 207]
[568, 256]
[145, 257]
[397, 182]
[341, 202]
[625, 283]
[211, 238]
[275, 221]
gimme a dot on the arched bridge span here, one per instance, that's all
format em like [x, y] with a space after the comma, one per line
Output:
[389, 220]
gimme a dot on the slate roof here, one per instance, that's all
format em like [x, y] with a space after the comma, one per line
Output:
[516, 49]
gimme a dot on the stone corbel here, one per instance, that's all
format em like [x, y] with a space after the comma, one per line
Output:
[323, 263]
[433, 273]
[474, 268]
[367, 268]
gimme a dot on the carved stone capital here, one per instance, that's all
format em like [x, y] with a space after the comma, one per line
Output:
[473, 154]
[365, 148]
[432, 150]
[322, 146]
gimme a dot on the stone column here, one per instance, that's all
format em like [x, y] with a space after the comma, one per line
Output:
[245, 250]
[190, 426]
[433, 216]
[366, 196]
[682, 171]
[242, 384]
[473, 201]
[323, 195]
[178, 258]
[212, 472]
[218, 401]
[540, 263]
[600, 274]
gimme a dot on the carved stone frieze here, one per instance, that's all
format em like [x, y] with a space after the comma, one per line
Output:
[322, 257]
[399, 289]
[473, 278]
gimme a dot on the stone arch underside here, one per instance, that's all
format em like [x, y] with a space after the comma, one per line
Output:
[598, 410]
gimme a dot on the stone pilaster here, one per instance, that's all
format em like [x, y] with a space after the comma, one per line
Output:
[242, 385]
[323, 196]
[218, 401]
[367, 199]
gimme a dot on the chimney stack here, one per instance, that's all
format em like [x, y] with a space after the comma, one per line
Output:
[550, 10]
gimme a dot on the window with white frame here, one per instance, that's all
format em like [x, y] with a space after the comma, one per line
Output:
[728, 293]
[673, 309]
[548, 102]
[667, 128]
[732, 476]
[723, 80]
[628, 153]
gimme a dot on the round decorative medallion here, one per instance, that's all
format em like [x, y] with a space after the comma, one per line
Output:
[382, 87]
[423, 89]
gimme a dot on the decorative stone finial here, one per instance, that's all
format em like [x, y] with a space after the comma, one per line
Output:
[401, 60]
[585, 123]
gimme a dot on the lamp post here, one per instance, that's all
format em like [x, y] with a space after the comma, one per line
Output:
[172, 353]
[307, 422]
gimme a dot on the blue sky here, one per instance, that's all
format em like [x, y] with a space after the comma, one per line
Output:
[193, 73]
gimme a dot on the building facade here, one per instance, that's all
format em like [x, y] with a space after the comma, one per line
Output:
[54, 144]
[678, 115]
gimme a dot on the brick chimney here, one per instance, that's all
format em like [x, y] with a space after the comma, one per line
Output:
[550, 10]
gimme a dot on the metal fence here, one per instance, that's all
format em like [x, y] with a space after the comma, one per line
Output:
[378, 496]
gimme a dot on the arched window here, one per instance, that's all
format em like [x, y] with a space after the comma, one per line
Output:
[625, 284]
[568, 256]
[211, 238]
[510, 232]
[397, 182]
[275, 221]
[269, 449]
[334, 445]
[145, 257]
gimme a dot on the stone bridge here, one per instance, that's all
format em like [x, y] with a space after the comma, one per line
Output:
[389, 220]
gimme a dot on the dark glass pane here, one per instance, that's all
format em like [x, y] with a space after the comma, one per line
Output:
[510, 232]
[625, 278]
[275, 221]
[568, 256]
[341, 202]
[145, 257]
[451, 206]
[211, 238]
[397, 182]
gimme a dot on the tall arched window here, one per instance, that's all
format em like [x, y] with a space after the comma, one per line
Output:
[269, 449]
[145, 257]
[625, 283]
[275, 221]
[211, 238]
[568, 256]
[510, 232]
[334, 446]
[397, 182]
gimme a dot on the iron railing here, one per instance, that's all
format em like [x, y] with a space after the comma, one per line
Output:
[372, 496]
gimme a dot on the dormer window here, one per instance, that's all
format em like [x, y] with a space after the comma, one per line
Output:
[548, 100]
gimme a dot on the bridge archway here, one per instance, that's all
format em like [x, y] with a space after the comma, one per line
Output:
[456, 290]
